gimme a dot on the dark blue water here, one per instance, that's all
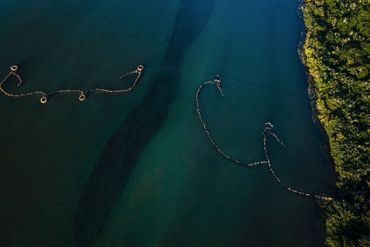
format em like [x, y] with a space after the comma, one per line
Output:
[137, 170]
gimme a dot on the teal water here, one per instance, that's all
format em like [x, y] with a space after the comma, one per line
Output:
[137, 170]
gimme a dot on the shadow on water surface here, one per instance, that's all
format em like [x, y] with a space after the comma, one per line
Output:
[122, 150]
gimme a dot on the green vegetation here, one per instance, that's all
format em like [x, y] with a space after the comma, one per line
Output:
[336, 54]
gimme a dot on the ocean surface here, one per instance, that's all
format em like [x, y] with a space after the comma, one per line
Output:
[137, 169]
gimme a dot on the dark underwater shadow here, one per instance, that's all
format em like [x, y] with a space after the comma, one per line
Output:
[123, 148]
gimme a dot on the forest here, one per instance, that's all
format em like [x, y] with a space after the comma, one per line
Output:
[336, 54]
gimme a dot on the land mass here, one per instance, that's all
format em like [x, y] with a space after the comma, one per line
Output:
[336, 54]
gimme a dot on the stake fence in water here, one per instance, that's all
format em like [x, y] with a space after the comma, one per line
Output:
[267, 132]
[82, 93]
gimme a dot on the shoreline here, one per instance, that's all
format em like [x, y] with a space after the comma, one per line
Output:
[325, 145]
[346, 219]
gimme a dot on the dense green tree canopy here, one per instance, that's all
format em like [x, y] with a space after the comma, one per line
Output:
[336, 53]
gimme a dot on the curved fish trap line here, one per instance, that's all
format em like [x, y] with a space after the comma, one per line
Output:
[267, 132]
[82, 93]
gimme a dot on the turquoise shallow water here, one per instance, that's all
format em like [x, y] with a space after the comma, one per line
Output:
[137, 170]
